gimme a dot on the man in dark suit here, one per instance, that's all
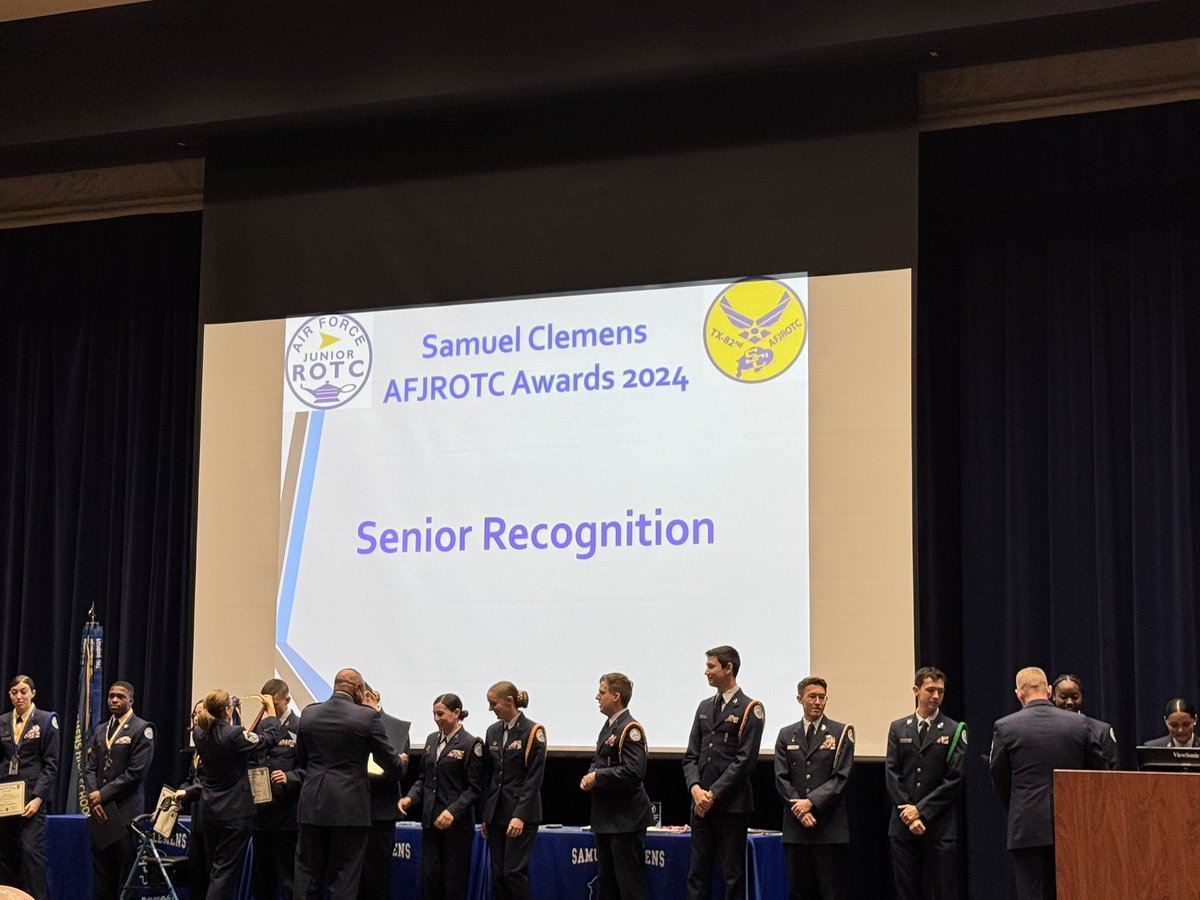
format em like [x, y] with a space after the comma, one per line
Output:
[721, 753]
[332, 746]
[385, 794]
[926, 754]
[1027, 747]
[118, 759]
[620, 807]
[29, 746]
[813, 759]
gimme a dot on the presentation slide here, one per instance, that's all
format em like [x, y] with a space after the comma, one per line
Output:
[545, 489]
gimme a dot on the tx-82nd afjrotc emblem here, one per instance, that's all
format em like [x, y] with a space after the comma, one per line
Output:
[755, 329]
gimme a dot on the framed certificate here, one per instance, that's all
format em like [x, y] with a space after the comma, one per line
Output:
[260, 784]
[12, 798]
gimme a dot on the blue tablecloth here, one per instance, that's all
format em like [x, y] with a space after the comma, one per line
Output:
[563, 865]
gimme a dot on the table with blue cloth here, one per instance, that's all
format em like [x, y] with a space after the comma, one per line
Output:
[563, 863]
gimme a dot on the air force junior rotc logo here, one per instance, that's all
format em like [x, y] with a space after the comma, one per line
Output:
[755, 329]
[328, 361]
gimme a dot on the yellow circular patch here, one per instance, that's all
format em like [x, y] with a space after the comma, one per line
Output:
[755, 329]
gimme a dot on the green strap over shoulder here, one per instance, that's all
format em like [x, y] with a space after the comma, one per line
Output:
[962, 726]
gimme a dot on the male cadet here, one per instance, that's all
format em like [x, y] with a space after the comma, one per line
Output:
[118, 759]
[721, 753]
[813, 759]
[333, 743]
[29, 744]
[1068, 695]
[1027, 747]
[275, 828]
[620, 808]
[926, 754]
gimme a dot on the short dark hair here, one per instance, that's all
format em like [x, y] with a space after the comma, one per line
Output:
[726, 656]
[926, 672]
[22, 678]
[620, 685]
[1067, 676]
[275, 687]
[809, 682]
[123, 684]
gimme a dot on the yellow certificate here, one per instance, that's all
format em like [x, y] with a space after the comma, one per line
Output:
[12, 798]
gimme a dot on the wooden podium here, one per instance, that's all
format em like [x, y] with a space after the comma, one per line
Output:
[1124, 834]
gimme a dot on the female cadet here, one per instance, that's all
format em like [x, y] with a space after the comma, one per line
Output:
[29, 744]
[514, 761]
[225, 755]
[1180, 719]
[450, 783]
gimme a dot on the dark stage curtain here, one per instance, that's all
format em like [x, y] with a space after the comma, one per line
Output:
[1058, 410]
[98, 370]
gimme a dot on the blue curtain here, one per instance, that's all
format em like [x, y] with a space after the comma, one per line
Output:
[97, 397]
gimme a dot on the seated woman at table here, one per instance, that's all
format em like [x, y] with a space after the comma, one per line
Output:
[445, 793]
[1180, 718]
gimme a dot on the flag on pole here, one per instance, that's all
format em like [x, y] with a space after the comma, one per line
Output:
[91, 695]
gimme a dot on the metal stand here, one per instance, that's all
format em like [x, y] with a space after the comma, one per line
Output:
[150, 868]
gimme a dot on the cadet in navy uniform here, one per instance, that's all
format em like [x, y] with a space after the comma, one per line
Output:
[275, 826]
[118, 759]
[1068, 695]
[813, 759]
[335, 740]
[226, 752]
[1027, 747]
[721, 753]
[29, 745]
[445, 794]
[620, 808]
[1180, 719]
[926, 755]
[190, 797]
[514, 762]
[376, 881]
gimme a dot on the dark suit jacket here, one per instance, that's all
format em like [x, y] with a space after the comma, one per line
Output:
[37, 756]
[1027, 747]
[809, 772]
[454, 782]
[332, 746]
[119, 772]
[513, 773]
[1107, 739]
[280, 739]
[385, 789]
[226, 752]
[919, 774]
[721, 754]
[619, 800]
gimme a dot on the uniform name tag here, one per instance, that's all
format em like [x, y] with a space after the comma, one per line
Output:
[13, 765]
[793, 746]
[906, 740]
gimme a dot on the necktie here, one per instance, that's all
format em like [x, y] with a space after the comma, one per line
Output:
[440, 747]
[718, 706]
[19, 729]
[922, 733]
[809, 733]
[112, 727]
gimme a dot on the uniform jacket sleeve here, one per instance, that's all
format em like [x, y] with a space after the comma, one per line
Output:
[632, 768]
[1000, 768]
[830, 791]
[783, 781]
[51, 739]
[535, 769]
[945, 794]
[474, 766]
[91, 763]
[691, 757]
[739, 771]
[891, 769]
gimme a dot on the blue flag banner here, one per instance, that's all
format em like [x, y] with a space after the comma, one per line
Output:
[91, 697]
